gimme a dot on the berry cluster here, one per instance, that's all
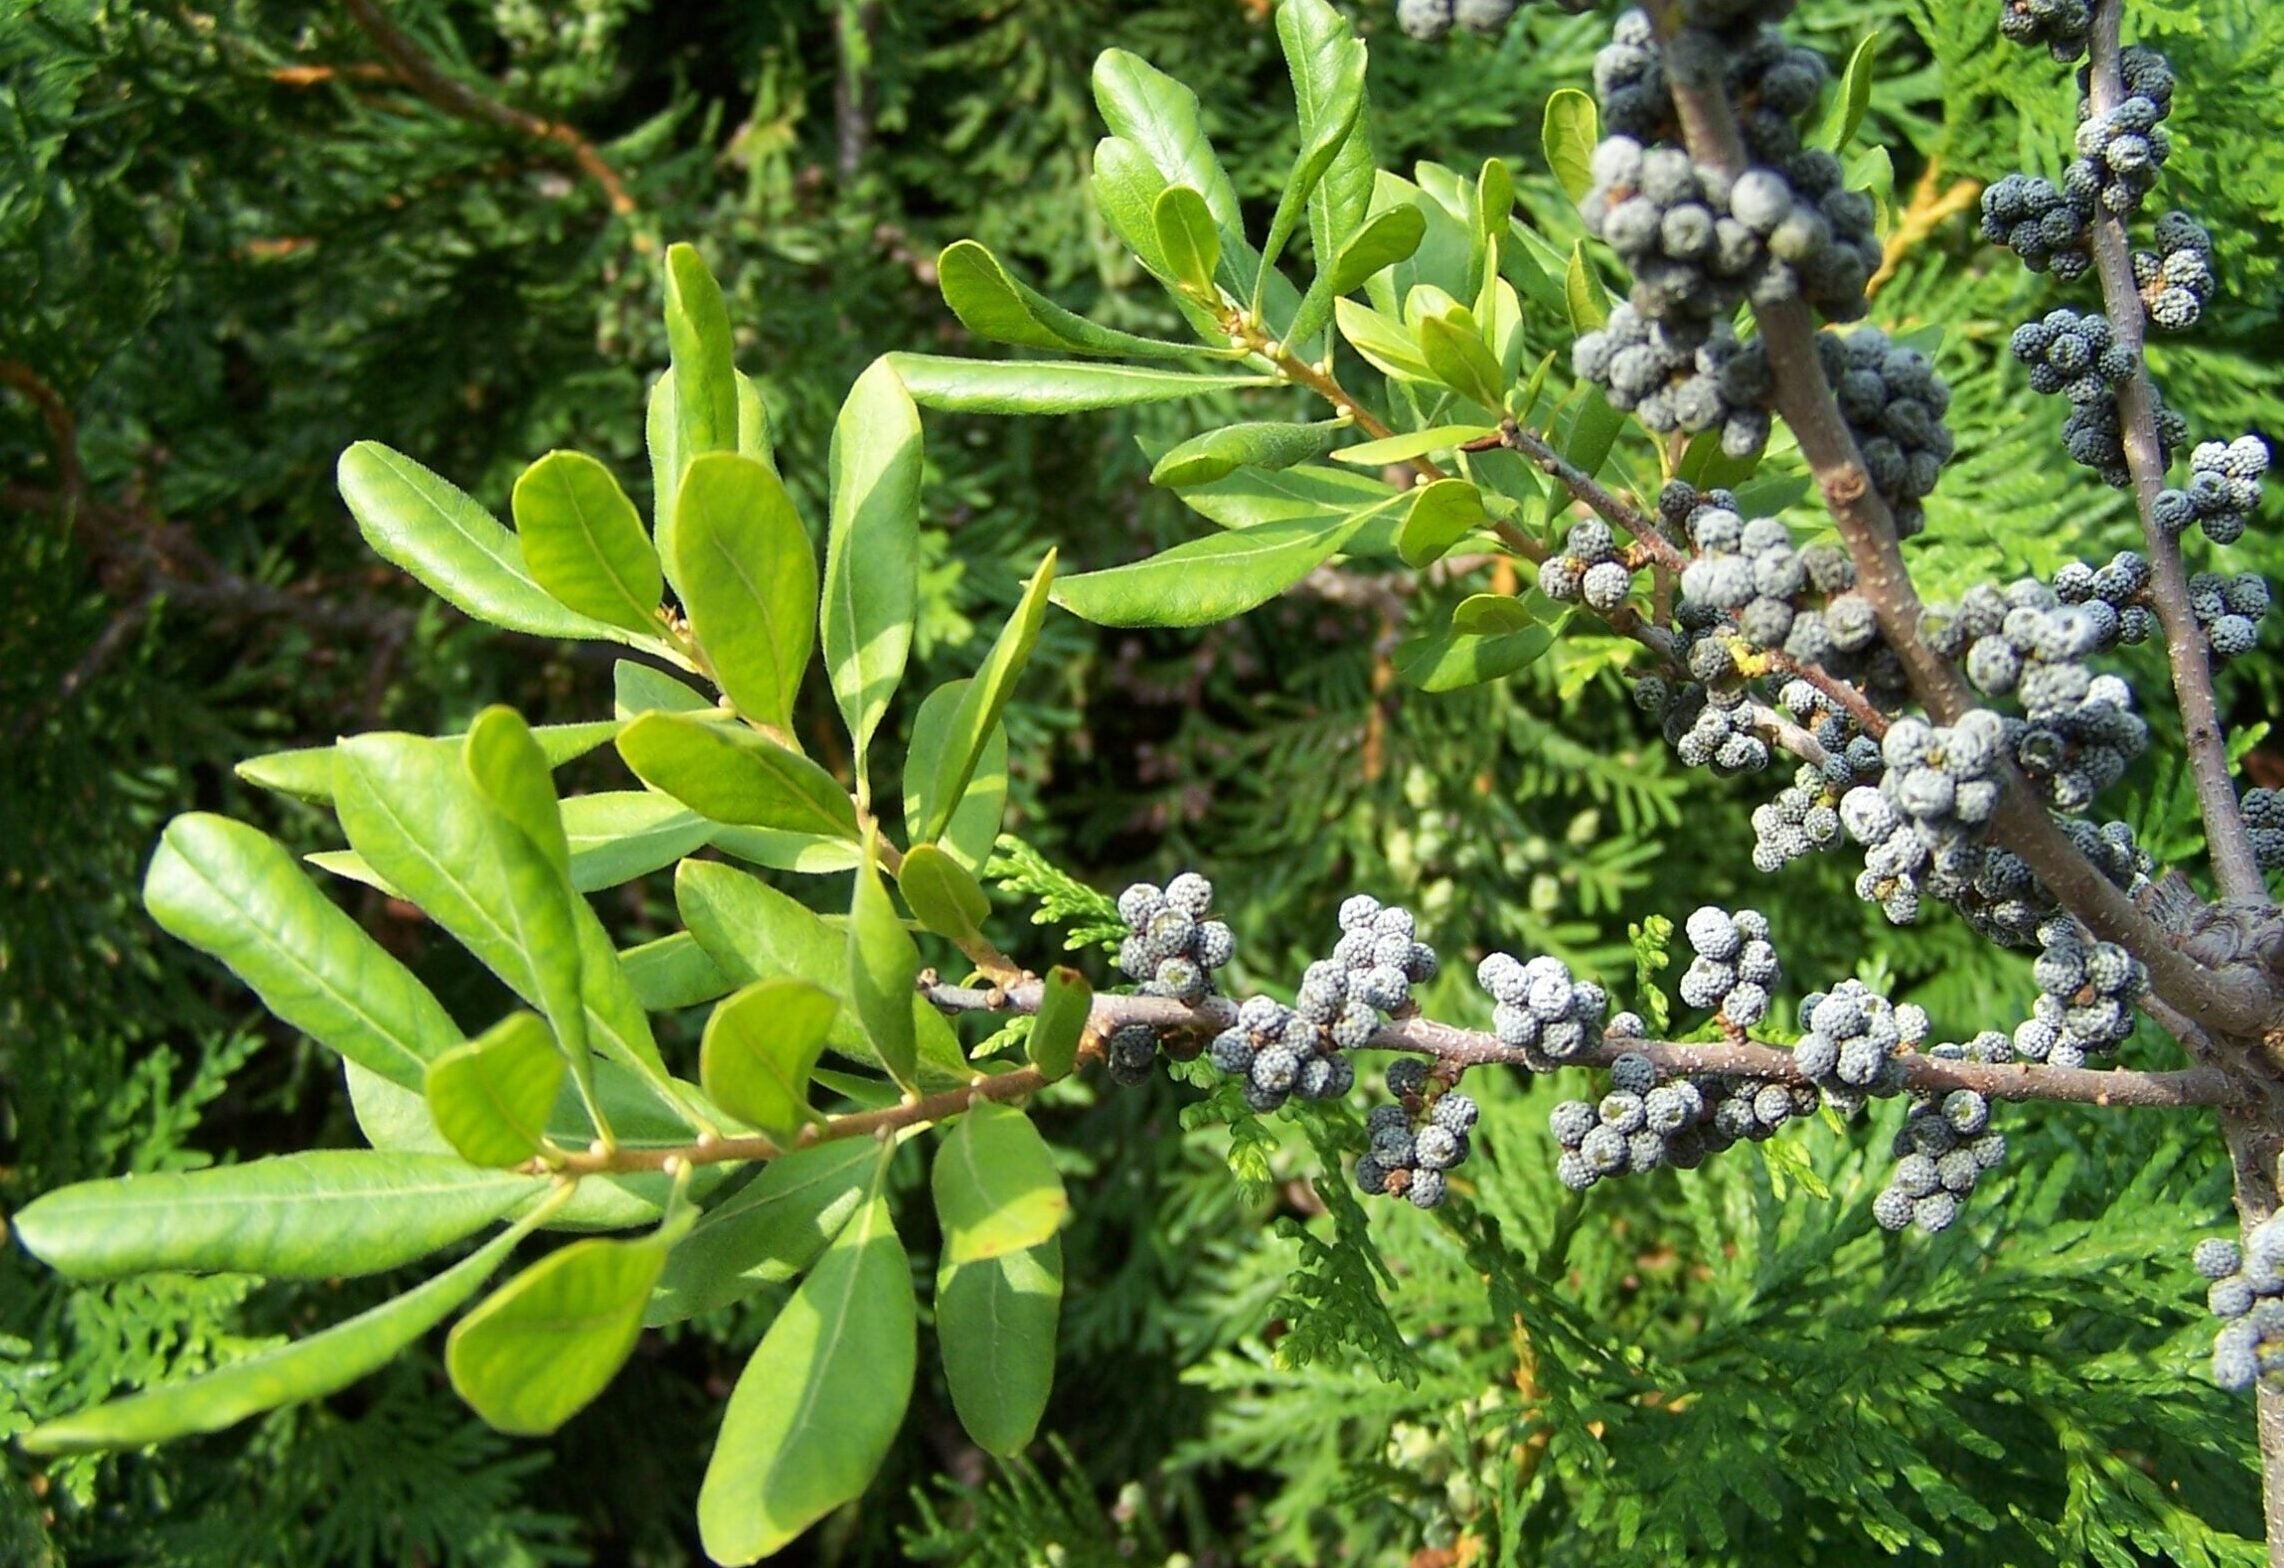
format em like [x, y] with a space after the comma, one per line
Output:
[1735, 966]
[2061, 25]
[1943, 1147]
[2246, 1285]
[2176, 279]
[1749, 581]
[1678, 374]
[2264, 816]
[2093, 435]
[1804, 816]
[2230, 610]
[2045, 226]
[1172, 948]
[1853, 1036]
[2086, 993]
[1588, 567]
[2077, 356]
[1415, 1141]
[1542, 1011]
[1429, 20]
[1648, 1120]
[2122, 149]
[1928, 811]
[2223, 491]
[1894, 404]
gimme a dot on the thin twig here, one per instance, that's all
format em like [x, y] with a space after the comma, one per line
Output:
[1598, 498]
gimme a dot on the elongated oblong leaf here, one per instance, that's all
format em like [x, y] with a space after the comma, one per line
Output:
[698, 342]
[491, 1097]
[872, 551]
[768, 1232]
[1568, 134]
[299, 1216]
[748, 579]
[1388, 238]
[1187, 238]
[973, 825]
[1441, 514]
[510, 771]
[583, 541]
[288, 1375]
[993, 303]
[984, 386]
[727, 773]
[1457, 660]
[759, 1047]
[995, 1185]
[817, 1406]
[234, 892]
[984, 700]
[1205, 580]
[884, 964]
[1327, 65]
[1065, 1002]
[1160, 117]
[1216, 454]
[539, 1349]
[944, 895]
[306, 773]
[422, 522]
[995, 1324]
[618, 835]
[662, 429]
[672, 973]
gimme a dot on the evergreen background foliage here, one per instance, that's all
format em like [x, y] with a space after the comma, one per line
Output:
[232, 241]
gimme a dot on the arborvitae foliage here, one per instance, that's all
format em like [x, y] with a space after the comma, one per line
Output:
[237, 239]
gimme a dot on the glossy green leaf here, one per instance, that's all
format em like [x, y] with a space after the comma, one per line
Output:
[884, 968]
[1388, 345]
[1488, 614]
[509, 769]
[768, 1232]
[995, 1185]
[810, 854]
[1455, 351]
[1457, 660]
[1587, 301]
[1390, 237]
[1206, 580]
[318, 1215]
[491, 1097]
[291, 1374]
[1845, 114]
[821, 1400]
[662, 430]
[727, 773]
[672, 973]
[539, 1349]
[1126, 185]
[759, 1048]
[306, 773]
[992, 303]
[748, 579]
[637, 689]
[1441, 514]
[943, 894]
[1568, 134]
[1065, 1003]
[699, 344]
[1406, 445]
[1592, 431]
[583, 541]
[872, 552]
[1327, 66]
[231, 891]
[618, 835]
[1308, 493]
[982, 702]
[995, 1326]
[1494, 207]
[1159, 116]
[1216, 454]
[422, 522]
[984, 386]
[1187, 239]
[975, 819]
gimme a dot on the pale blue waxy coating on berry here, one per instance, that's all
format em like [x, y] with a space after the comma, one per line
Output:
[1916, 1176]
[1426, 1189]
[1435, 1148]
[1633, 1073]
[1276, 1068]
[1966, 1112]
[1892, 1208]
[1622, 1111]
[1214, 945]
[1354, 1027]
[1570, 1121]
[1231, 1052]
[1629, 1026]
[1958, 1171]
[2216, 1257]
[1371, 1176]
[1935, 1212]
[1604, 1148]
[1191, 894]
[1358, 911]
[1454, 1112]
[2230, 1296]
[1139, 903]
[1575, 1171]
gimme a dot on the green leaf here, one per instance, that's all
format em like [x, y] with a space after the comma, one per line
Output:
[884, 967]
[759, 1047]
[1309, 493]
[727, 773]
[984, 386]
[1389, 346]
[1327, 66]
[235, 893]
[698, 340]
[982, 702]
[1406, 445]
[673, 973]
[1390, 237]
[768, 1232]
[620, 834]
[662, 430]
[1592, 433]
[1494, 209]
[423, 523]
[821, 1400]
[944, 895]
[1187, 238]
[810, 854]
[637, 689]
[749, 581]
[1206, 580]
[1845, 115]
[511, 772]
[995, 1325]
[1459, 659]
[995, 1185]
[539, 1349]
[491, 1097]
[306, 773]
[1159, 116]
[1065, 1003]
[1216, 454]
[1454, 349]
[1488, 614]
[583, 541]
[872, 552]
[1568, 134]
[1441, 514]
[974, 826]
[1583, 294]
[992, 303]
[318, 1215]
[291, 1374]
